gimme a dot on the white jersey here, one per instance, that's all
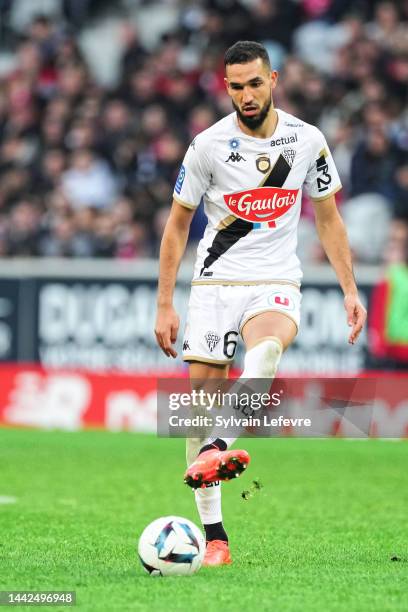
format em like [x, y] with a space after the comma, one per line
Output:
[252, 192]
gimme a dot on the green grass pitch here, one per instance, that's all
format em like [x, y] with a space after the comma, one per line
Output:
[318, 536]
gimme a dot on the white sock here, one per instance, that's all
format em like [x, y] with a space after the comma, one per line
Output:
[208, 502]
[261, 361]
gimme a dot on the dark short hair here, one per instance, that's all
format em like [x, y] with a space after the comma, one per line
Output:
[245, 51]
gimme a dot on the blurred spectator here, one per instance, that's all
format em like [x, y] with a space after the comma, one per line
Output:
[386, 29]
[374, 165]
[131, 241]
[53, 164]
[45, 36]
[367, 218]
[342, 151]
[5, 30]
[102, 161]
[274, 21]
[24, 229]
[59, 242]
[139, 89]
[76, 11]
[200, 119]
[401, 200]
[89, 181]
[72, 82]
[133, 53]
[116, 126]
[105, 243]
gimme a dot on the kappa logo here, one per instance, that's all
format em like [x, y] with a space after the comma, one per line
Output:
[212, 340]
[235, 157]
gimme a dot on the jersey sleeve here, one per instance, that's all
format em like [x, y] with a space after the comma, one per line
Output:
[322, 179]
[194, 176]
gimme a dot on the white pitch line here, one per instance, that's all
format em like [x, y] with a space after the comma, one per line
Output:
[7, 499]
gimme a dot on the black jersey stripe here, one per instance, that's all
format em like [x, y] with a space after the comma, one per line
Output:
[228, 236]
[225, 239]
[278, 174]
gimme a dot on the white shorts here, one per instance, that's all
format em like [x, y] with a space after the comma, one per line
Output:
[217, 313]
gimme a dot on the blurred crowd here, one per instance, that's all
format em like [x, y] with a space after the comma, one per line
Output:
[88, 170]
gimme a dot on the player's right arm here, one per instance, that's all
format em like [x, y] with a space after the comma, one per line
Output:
[192, 182]
[172, 248]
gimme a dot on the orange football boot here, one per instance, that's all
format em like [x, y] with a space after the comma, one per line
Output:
[217, 553]
[213, 465]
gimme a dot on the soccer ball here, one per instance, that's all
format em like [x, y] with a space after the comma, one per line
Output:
[171, 546]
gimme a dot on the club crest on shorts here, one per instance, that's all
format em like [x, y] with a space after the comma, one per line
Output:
[212, 340]
[263, 163]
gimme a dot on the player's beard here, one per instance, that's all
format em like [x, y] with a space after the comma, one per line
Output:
[255, 121]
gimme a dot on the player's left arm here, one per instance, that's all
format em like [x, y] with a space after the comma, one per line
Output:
[333, 236]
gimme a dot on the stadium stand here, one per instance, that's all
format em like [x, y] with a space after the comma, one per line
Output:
[93, 127]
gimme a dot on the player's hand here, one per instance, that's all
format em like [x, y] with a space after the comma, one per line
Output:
[356, 316]
[166, 329]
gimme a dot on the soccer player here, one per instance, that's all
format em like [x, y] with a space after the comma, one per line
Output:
[249, 169]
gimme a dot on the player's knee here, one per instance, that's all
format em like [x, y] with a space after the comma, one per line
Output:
[262, 360]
